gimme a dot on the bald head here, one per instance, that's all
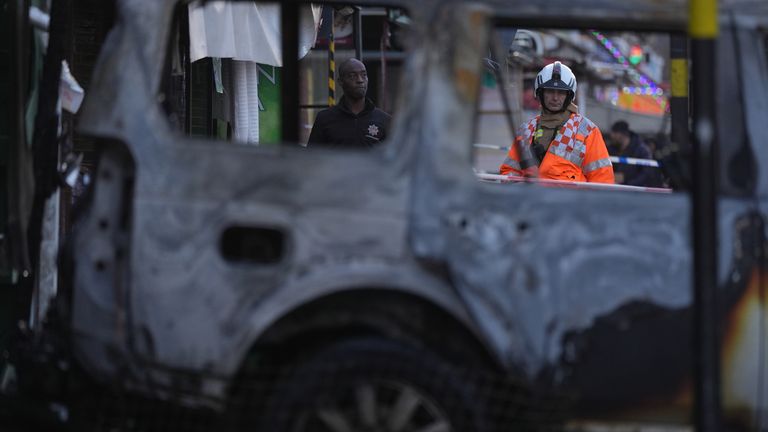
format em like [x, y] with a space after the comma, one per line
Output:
[354, 79]
[350, 64]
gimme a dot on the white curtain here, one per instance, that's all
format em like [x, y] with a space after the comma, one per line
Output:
[246, 31]
[246, 101]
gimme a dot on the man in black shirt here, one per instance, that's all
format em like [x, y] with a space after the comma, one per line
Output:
[355, 122]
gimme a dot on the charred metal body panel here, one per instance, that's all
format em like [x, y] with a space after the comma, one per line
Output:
[585, 290]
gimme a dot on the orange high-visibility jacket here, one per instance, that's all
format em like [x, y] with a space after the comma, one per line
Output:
[577, 153]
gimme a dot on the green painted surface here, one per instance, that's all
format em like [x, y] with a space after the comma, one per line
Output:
[221, 129]
[489, 80]
[270, 107]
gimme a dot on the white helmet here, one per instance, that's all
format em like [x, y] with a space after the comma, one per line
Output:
[556, 76]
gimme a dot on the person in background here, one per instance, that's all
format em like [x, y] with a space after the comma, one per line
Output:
[626, 143]
[559, 143]
[354, 122]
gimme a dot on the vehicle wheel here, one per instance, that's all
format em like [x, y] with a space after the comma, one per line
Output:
[375, 385]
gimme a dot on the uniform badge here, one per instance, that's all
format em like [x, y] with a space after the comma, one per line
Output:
[373, 130]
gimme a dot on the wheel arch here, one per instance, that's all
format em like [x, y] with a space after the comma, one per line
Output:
[392, 313]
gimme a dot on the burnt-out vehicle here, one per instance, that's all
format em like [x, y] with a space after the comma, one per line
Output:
[283, 287]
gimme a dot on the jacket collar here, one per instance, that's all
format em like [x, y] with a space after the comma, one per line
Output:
[369, 106]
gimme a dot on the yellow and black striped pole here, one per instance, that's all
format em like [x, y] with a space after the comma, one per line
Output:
[332, 64]
[703, 31]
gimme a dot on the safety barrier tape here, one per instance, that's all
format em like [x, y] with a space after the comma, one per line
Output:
[614, 159]
[635, 161]
[500, 178]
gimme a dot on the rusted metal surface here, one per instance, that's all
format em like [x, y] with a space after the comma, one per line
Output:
[580, 289]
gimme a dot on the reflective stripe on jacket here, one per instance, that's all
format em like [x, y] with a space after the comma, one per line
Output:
[577, 153]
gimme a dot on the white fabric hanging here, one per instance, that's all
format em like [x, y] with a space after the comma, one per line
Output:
[246, 31]
[246, 101]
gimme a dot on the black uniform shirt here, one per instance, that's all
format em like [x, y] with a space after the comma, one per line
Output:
[338, 127]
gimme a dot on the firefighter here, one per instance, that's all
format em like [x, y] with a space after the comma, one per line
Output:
[559, 143]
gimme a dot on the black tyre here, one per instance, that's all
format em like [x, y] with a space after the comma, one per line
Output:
[374, 385]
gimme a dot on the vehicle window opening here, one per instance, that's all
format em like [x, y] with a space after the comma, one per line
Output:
[229, 84]
[623, 84]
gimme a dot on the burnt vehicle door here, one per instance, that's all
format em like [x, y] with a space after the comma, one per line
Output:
[271, 282]
[590, 290]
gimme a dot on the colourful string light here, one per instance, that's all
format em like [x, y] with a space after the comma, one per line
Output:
[653, 89]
